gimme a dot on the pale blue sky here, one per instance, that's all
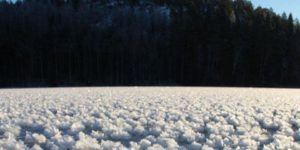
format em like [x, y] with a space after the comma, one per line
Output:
[280, 6]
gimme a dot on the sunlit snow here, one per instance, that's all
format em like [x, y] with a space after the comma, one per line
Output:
[149, 118]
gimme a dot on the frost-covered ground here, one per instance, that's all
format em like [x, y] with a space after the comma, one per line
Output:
[150, 118]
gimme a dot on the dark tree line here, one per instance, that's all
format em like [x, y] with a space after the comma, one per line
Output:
[146, 42]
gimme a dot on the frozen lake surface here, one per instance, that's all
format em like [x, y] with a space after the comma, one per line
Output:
[149, 118]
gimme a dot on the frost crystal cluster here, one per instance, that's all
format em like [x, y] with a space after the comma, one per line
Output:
[149, 118]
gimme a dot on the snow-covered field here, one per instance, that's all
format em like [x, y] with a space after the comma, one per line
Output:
[149, 118]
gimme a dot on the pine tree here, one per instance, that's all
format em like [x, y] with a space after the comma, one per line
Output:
[290, 24]
[76, 4]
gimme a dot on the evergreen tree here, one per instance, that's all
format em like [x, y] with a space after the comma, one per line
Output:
[157, 42]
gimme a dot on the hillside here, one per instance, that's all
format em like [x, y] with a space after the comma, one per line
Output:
[150, 42]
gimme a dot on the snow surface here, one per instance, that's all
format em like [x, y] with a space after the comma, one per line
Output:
[149, 118]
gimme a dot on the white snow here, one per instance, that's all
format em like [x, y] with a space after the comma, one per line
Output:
[149, 118]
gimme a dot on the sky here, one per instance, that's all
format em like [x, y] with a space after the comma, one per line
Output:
[280, 6]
